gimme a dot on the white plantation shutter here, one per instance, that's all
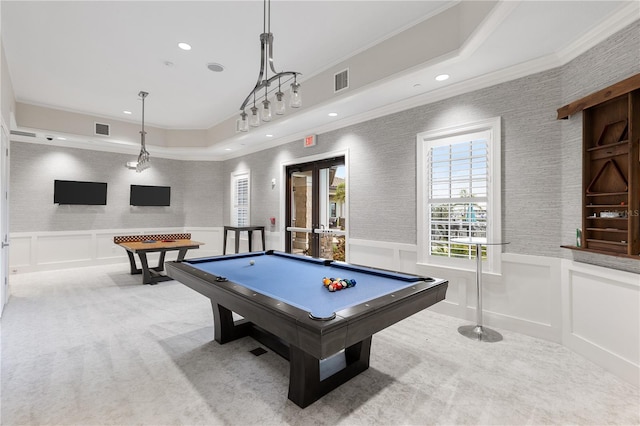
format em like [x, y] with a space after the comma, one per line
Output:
[458, 180]
[459, 194]
[240, 203]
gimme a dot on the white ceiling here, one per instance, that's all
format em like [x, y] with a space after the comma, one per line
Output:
[95, 56]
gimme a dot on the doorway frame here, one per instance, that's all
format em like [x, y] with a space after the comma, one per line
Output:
[4, 214]
[282, 232]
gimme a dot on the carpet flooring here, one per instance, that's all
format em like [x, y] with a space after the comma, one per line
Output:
[93, 346]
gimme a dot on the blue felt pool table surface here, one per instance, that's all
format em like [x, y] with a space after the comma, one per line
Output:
[297, 280]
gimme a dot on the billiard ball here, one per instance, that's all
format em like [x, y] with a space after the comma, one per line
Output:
[252, 262]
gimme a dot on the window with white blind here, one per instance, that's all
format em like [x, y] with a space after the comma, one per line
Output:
[458, 197]
[240, 198]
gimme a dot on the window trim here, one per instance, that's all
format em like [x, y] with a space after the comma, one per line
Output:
[494, 198]
[235, 177]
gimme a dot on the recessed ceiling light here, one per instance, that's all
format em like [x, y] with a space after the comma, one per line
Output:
[442, 77]
[227, 149]
[60, 138]
[269, 136]
[333, 114]
[215, 67]
[184, 46]
[126, 112]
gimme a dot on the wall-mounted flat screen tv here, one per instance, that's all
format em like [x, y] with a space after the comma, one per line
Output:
[77, 192]
[146, 195]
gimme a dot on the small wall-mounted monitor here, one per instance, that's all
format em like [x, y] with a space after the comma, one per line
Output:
[77, 192]
[146, 195]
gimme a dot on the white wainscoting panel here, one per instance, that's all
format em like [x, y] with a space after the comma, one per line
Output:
[408, 257]
[65, 248]
[212, 239]
[106, 249]
[382, 255]
[529, 296]
[592, 310]
[44, 251]
[602, 317]
[20, 251]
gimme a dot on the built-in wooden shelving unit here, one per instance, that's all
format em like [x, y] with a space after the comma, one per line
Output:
[611, 169]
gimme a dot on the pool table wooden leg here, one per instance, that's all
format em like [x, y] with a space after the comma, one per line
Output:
[305, 386]
[225, 329]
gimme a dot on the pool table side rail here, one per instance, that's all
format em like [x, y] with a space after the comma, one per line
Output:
[294, 325]
[326, 262]
[298, 257]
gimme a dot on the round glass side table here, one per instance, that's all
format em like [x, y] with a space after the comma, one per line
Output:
[478, 332]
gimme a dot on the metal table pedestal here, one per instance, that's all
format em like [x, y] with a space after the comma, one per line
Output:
[478, 331]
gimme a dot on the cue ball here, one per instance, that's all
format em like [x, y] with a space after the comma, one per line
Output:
[252, 262]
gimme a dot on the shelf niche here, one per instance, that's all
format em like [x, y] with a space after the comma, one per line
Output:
[610, 169]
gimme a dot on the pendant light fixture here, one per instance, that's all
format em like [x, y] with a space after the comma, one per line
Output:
[143, 162]
[264, 81]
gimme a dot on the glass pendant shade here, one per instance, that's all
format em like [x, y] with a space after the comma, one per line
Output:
[144, 159]
[254, 118]
[266, 110]
[280, 105]
[296, 97]
[243, 122]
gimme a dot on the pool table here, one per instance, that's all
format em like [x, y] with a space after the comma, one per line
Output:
[326, 336]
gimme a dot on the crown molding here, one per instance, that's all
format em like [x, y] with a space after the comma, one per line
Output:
[626, 15]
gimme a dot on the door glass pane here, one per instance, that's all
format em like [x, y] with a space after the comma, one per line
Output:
[316, 207]
[301, 212]
[332, 212]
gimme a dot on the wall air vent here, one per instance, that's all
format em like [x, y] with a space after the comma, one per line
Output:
[101, 129]
[19, 133]
[341, 80]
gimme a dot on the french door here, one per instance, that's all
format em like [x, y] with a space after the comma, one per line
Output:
[316, 209]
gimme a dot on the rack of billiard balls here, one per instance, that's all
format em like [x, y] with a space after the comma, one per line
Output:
[336, 284]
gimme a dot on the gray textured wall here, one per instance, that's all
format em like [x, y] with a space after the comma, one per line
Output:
[382, 167]
[541, 156]
[194, 190]
[541, 166]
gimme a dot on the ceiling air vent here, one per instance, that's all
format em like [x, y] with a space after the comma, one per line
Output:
[19, 133]
[341, 80]
[101, 129]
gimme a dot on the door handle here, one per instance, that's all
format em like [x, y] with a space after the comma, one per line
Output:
[5, 244]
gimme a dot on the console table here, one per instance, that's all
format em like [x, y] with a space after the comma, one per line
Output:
[238, 230]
